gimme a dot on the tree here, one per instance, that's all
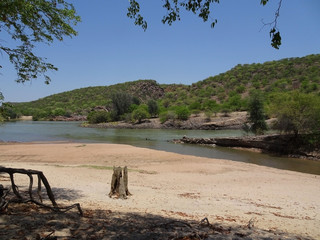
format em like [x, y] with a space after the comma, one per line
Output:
[202, 8]
[183, 113]
[153, 108]
[7, 112]
[297, 112]
[140, 113]
[256, 113]
[121, 102]
[34, 21]
[95, 117]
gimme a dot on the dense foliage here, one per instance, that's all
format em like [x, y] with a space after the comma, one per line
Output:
[297, 112]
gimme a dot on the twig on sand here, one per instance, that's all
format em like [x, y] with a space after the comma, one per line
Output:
[251, 223]
[205, 221]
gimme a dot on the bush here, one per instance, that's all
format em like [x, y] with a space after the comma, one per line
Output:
[58, 112]
[183, 113]
[195, 105]
[167, 115]
[208, 115]
[98, 117]
[140, 114]
[196, 112]
[296, 112]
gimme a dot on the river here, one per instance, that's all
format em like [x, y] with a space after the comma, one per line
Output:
[29, 131]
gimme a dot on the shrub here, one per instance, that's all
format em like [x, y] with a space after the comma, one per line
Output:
[98, 117]
[296, 112]
[167, 115]
[195, 105]
[139, 114]
[58, 112]
[196, 112]
[208, 115]
[183, 113]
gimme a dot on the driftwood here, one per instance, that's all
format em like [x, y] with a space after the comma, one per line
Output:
[41, 180]
[3, 193]
[119, 183]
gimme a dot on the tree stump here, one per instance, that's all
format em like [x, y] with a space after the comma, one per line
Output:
[119, 183]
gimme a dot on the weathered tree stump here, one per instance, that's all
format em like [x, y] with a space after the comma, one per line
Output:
[41, 180]
[119, 183]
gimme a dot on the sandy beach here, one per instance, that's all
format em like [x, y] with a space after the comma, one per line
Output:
[173, 185]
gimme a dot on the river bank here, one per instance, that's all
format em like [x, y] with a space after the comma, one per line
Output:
[284, 145]
[170, 186]
[234, 120]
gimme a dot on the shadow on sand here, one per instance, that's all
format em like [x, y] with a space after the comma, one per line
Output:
[29, 221]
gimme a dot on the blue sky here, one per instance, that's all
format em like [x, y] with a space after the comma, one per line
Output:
[110, 49]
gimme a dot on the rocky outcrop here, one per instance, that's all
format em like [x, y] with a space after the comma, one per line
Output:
[147, 89]
[280, 144]
[231, 122]
[69, 119]
[199, 122]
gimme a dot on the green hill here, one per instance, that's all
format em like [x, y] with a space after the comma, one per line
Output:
[227, 90]
[81, 101]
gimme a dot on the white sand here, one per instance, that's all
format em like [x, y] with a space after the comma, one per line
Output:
[174, 185]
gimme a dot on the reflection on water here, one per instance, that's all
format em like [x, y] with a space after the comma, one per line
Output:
[149, 138]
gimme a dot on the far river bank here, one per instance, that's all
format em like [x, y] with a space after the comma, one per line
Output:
[282, 145]
[157, 139]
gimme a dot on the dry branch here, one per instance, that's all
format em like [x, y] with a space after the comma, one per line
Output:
[41, 180]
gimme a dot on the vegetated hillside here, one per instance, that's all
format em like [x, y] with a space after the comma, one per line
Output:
[282, 75]
[227, 90]
[275, 76]
[81, 101]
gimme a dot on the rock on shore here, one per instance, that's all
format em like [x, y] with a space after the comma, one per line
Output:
[275, 143]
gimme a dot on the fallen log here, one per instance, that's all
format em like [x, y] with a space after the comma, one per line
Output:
[41, 180]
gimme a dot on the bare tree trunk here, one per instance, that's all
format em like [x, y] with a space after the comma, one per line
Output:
[125, 179]
[119, 183]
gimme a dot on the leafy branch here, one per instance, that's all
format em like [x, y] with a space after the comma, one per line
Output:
[34, 21]
[201, 8]
[274, 32]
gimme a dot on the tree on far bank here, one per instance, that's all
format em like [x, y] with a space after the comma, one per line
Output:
[297, 112]
[140, 113]
[121, 102]
[256, 113]
[153, 108]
